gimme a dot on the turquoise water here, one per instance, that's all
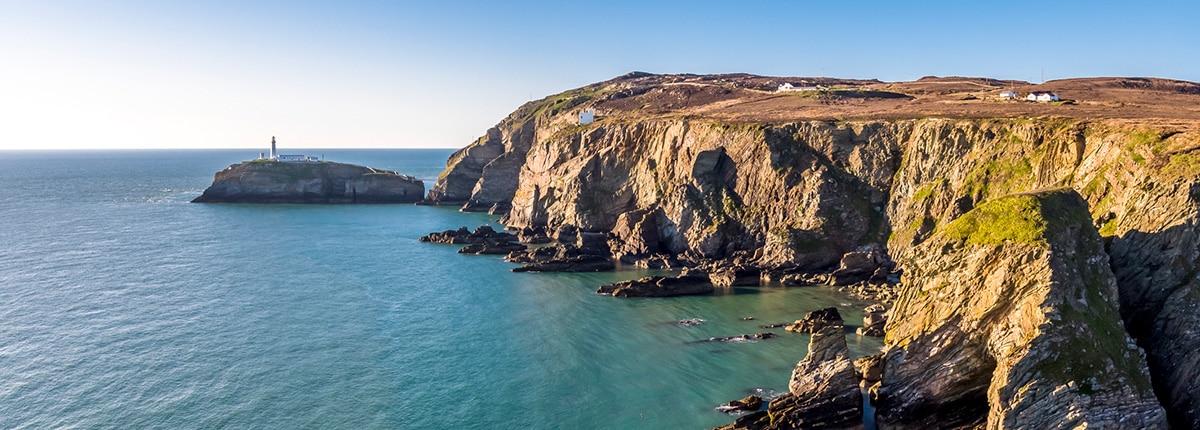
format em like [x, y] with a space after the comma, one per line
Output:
[124, 306]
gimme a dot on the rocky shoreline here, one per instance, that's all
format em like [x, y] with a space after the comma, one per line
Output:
[1049, 261]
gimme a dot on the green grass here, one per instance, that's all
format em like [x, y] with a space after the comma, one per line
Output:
[1185, 165]
[998, 177]
[1016, 218]
[1109, 228]
[1142, 139]
[1020, 218]
[926, 190]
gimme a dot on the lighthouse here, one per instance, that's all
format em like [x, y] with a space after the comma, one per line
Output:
[273, 154]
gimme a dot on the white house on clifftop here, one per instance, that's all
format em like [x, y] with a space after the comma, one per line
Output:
[787, 86]
[1042, 96]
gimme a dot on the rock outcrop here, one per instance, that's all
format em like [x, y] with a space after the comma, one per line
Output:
[1008, 315]
[823, 392]
[320, 182]
[688, 283]
[750, 403]
[815, 320]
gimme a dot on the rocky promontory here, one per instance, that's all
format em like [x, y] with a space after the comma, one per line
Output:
[1008, 317]
[863, 184]
[316, 182]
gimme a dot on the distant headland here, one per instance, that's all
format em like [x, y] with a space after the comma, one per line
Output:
[275, 178]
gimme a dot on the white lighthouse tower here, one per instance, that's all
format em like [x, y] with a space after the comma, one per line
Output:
[273, 154]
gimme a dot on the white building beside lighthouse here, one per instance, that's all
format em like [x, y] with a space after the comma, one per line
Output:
[291, 158]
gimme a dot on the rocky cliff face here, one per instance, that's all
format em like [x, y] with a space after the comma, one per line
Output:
[1009, 313]
[798, 195]
[262, 181]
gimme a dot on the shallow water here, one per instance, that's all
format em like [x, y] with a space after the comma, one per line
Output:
[123, 305]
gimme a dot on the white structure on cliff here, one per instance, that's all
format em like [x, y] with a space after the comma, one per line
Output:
[787, 86]
[1009, 95]
[1042, 96]
[587, 117]
[291, 158]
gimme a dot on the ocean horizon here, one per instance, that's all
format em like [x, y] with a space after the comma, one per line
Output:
[124, 305]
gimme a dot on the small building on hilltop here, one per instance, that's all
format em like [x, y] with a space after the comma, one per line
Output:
[1042, 96]
[291, 158]
[787, 86]
[1009, 95]
[587, 117]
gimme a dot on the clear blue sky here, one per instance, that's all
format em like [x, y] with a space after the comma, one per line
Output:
[222, 74]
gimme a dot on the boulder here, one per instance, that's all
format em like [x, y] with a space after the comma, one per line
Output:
[532, 236]
[874, 318]
[730, 275]
[869, 262]
[870, 368]
[748, 404]
[635, 235]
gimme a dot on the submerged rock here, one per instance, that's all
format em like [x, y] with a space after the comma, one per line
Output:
[319, 182]
[738, 338]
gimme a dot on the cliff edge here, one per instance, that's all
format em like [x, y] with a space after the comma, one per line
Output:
[321, 182]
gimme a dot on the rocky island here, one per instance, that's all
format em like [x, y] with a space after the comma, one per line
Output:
[1039, 260]
[297, 179]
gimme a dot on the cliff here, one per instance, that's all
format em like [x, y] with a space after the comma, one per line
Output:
[712, 169]
[324, 182]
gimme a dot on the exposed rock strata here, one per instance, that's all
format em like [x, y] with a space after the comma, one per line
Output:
[1009, 315]
[800, 196]
[323, 182]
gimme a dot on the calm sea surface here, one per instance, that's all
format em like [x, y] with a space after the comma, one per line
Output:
[124, 306]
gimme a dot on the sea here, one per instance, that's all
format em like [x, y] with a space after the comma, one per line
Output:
[122, 305]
